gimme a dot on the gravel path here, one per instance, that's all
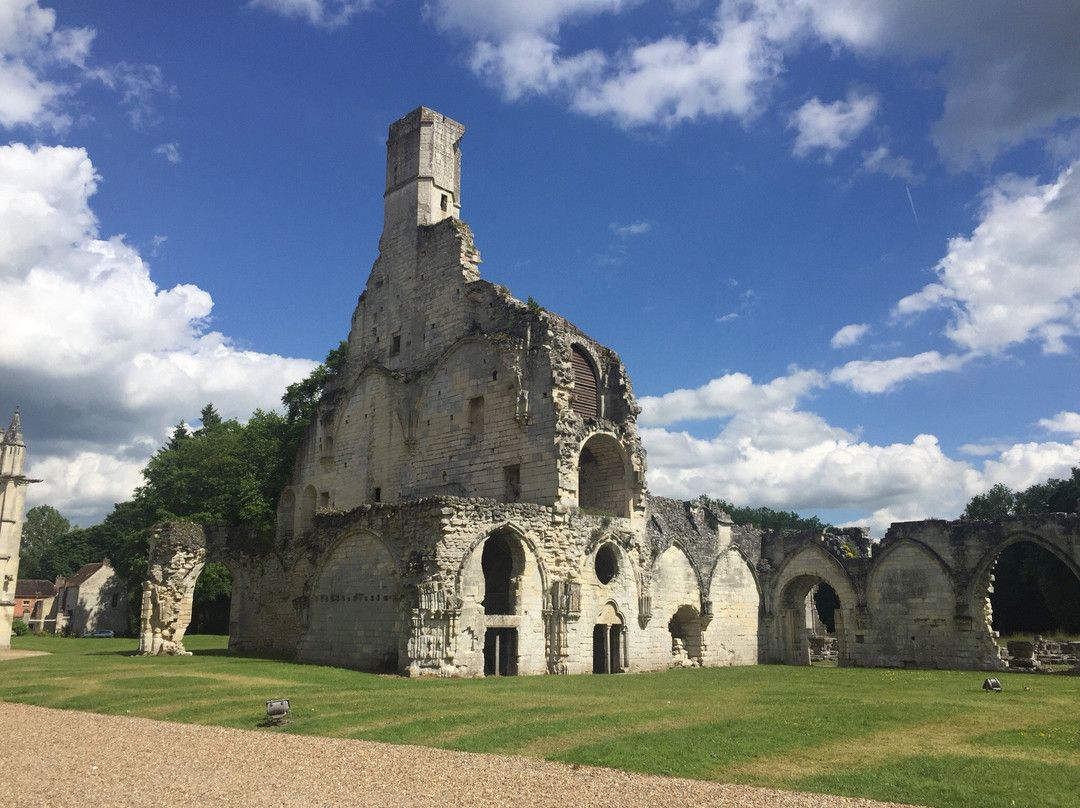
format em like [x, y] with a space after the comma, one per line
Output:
[57, 758]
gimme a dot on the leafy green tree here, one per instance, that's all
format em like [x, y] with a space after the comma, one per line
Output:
[301, 399]
[997, 503]
[42, 528]
[764, 518]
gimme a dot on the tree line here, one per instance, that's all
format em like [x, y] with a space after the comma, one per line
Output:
[224, 470]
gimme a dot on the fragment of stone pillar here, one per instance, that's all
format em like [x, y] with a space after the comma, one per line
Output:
[176, 557]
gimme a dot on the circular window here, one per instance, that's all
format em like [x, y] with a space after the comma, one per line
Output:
[607, 563]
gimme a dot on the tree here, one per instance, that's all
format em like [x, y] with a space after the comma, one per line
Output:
[42, 528]
[301, 399]
[997, 503]
[764, 518]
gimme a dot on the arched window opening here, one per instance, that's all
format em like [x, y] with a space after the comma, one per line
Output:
[609, 641]
[1032, 592]
[585, 399]
[602, 477]
[606, 563]
[502, 570]
[685, 630]
[826, 602]
[212, 601]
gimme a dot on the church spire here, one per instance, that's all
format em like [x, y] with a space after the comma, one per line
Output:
[14, 432]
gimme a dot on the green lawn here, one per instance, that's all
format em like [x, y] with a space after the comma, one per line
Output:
[927, 737]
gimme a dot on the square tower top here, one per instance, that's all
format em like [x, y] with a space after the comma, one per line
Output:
[423, 171]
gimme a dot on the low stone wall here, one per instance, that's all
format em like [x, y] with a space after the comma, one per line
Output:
[1040, 654]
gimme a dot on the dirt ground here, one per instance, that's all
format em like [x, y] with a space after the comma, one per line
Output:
[58, 758]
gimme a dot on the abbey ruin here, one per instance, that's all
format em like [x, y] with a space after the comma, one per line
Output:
[471, 500]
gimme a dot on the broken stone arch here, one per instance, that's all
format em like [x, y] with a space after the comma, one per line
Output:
[794, 580]
[978, 589]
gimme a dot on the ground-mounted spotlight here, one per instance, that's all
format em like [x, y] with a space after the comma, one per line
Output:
[988, 685]
[277, 709]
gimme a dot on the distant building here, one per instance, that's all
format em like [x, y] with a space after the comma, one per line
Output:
[35, 601]
[92, 599]
[12, 500]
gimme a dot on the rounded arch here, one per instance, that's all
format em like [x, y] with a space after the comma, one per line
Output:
[609, 640]
[984, 603]
[603, 476]
[911, 595]
[987, 561]
[794, 582]
[354, 611]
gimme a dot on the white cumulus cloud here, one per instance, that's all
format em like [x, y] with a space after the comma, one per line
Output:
[320, 13]
[102, 360]
[849, 335]
[1064, 422]
[832, 127]
[1017, 276]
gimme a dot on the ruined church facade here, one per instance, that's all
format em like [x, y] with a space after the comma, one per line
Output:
[470, 499]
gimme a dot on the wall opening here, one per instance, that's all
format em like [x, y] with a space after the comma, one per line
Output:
[800, 624]
[609, 645]
[512, 483]
[602, 476]
[502, 563]
[606, 563]
[212, 601]
[685, 630]
[500, 652]
[476, 417]
[584, 400]
[1033, 592]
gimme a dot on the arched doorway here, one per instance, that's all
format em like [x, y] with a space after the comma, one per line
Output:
[1031, 591]
[609, 645]
[799, 613]
[503, 565]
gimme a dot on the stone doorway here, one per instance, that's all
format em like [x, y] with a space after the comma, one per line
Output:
[799, 613]
[609, 648]
[500, 652]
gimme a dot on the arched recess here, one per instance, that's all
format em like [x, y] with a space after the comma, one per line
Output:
[211, 605]
[603, 484]
[307, 508]
[610, 654]
[501, 585]
[732, 635]
[286, 511]
[676, 605]
[354, 613]
[795, 580]
[586, 398]
[1033, 575]
[912, 600]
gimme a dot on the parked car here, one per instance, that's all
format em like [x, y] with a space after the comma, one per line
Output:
[103, 632]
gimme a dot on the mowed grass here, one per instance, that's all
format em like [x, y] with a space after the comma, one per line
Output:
[924, 737]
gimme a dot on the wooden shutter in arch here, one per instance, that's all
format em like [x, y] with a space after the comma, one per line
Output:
[583, 401]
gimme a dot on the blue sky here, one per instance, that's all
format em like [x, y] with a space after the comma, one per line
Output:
[836, 244]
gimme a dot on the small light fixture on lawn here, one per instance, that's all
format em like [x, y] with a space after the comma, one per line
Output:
[276, 709]
[988, 685]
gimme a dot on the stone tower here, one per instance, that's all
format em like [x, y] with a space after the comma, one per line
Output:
[12, 498]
